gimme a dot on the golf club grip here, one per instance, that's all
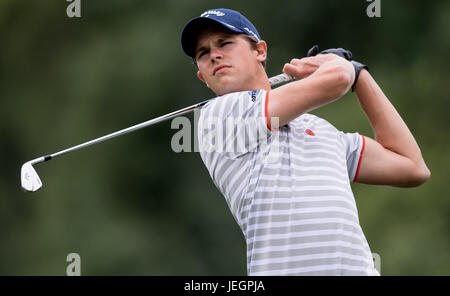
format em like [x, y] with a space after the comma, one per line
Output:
[281, 78]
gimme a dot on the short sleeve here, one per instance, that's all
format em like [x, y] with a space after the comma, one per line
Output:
[234, 124]
[354, 146]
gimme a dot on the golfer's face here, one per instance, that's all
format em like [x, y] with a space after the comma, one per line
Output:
[225, 60]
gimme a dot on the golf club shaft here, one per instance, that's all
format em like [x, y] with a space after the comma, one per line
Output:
[282, 78]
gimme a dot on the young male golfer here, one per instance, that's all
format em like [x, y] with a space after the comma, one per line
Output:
[296, 210]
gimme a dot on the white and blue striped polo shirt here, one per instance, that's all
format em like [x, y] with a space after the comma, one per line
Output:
[289, 190]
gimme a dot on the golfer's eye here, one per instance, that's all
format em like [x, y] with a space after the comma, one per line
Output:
[201, 53]
[225, 43]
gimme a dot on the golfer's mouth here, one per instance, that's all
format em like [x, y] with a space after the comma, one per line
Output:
[220, 69]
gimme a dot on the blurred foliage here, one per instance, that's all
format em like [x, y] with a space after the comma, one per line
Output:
[132, 206]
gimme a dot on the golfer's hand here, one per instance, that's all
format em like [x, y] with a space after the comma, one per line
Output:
[346, 54]
[302, 68]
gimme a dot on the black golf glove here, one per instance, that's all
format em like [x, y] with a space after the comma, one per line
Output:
[343, 53]
[313, 51]
[358, 67]
[346, 54]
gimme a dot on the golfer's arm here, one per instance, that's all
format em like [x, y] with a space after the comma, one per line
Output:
[393, 158]
[328, 83]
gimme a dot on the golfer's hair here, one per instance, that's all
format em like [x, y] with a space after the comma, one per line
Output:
[253, 44]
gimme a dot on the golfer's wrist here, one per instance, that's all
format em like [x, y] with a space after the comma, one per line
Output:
[358, 68]
[362, 79]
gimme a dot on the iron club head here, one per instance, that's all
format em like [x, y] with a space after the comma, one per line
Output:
[29, 178]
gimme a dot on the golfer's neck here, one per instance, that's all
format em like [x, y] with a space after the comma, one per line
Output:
[260, 81]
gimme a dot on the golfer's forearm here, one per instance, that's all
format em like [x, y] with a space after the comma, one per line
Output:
[389, 128]
[331, 81]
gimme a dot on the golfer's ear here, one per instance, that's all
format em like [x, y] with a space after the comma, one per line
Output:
[200, 76]
[261, 49]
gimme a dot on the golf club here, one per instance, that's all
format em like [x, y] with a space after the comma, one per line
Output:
[30, 179]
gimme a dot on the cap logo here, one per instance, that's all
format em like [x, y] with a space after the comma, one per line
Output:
[215, 12]
[251, 32]
[231, 26]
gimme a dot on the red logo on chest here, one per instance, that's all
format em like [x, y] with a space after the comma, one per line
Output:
[309, 132]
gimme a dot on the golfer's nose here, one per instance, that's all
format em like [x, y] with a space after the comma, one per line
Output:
[216, 53]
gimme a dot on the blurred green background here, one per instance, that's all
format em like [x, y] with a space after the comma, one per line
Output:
[132, 206]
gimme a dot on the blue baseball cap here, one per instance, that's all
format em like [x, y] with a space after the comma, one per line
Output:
[228, 18]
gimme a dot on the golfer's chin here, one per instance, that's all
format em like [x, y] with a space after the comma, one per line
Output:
[227, 85]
